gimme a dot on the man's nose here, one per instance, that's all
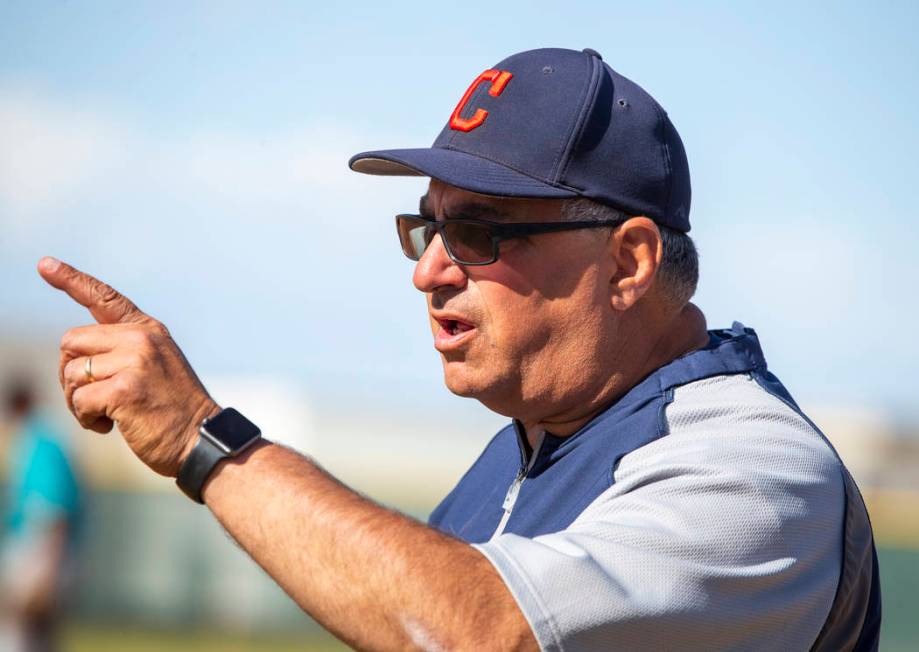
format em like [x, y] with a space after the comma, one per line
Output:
[435, 269]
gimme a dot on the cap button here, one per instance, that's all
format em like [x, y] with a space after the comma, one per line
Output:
[592, 53]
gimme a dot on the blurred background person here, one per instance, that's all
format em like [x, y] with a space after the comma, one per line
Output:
[41, 517]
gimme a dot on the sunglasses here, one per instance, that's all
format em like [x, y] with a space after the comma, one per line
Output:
[474, 242]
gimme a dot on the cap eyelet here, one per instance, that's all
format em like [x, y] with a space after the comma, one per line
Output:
[548, 70]
[623, 103]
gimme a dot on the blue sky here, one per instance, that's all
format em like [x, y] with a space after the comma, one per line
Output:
[194, 155]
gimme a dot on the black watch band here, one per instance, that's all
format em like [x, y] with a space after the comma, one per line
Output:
[224, 435]
[197, 468]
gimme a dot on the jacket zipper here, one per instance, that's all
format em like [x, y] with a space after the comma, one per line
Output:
[514, 490]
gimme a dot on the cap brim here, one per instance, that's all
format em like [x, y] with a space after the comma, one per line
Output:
[458, 169]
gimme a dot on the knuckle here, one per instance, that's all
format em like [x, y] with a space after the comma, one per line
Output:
[104, 294]
[155, 331]
[150, 340]
[74, 373]
[77, 406]
[138, 339]
[68, 339]
[69, 370]
[160, 330]
[61, 372]
[124, 387]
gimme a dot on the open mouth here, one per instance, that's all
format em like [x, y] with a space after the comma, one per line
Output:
[454, 326]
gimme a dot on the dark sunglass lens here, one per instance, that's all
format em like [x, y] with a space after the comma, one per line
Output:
[415, 235]
[469, 243]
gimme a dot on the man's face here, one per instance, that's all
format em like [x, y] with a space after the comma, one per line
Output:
[528, 327]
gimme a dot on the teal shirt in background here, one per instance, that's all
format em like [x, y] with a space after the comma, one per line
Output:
[42, 485]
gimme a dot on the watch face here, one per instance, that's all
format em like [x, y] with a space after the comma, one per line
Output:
[230, 430]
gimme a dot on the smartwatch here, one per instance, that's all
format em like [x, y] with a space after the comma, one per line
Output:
[225, 435]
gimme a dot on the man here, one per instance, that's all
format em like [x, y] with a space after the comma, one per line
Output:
[657, 488]
[42, 515]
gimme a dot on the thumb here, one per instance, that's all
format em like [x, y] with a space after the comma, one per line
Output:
[106, 304]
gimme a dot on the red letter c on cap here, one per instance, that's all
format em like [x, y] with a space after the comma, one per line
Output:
[498, 79]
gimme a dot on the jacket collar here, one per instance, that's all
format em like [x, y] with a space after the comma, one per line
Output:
[729, 351]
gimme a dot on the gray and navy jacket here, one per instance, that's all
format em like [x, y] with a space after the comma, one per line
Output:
[701, 511]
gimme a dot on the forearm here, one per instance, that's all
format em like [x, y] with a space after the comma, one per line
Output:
[375, 578]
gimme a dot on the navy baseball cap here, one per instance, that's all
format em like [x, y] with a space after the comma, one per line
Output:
[555, 123]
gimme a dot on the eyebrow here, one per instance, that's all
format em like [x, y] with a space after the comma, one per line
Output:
[466, 210]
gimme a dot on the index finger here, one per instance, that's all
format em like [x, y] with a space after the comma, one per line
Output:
[106, 305]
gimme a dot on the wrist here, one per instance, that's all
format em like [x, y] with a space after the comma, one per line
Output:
[225, 434]
[208, 409]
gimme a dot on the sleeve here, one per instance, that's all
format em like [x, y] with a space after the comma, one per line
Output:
[706, 540]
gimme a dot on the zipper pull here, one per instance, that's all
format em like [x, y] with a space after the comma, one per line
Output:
[512, 492]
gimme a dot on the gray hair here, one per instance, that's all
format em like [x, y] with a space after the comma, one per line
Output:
[679, 270]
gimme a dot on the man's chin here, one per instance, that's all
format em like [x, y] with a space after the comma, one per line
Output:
[461, 380]
[485, 388]
[460, 386]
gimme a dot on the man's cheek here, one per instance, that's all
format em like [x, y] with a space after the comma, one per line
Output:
[503, 282]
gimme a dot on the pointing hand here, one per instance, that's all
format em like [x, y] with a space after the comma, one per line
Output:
[140, 379]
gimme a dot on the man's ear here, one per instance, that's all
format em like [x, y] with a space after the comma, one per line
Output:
[637, 249]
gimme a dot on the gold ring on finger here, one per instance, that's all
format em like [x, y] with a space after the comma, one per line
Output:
[88, 369]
